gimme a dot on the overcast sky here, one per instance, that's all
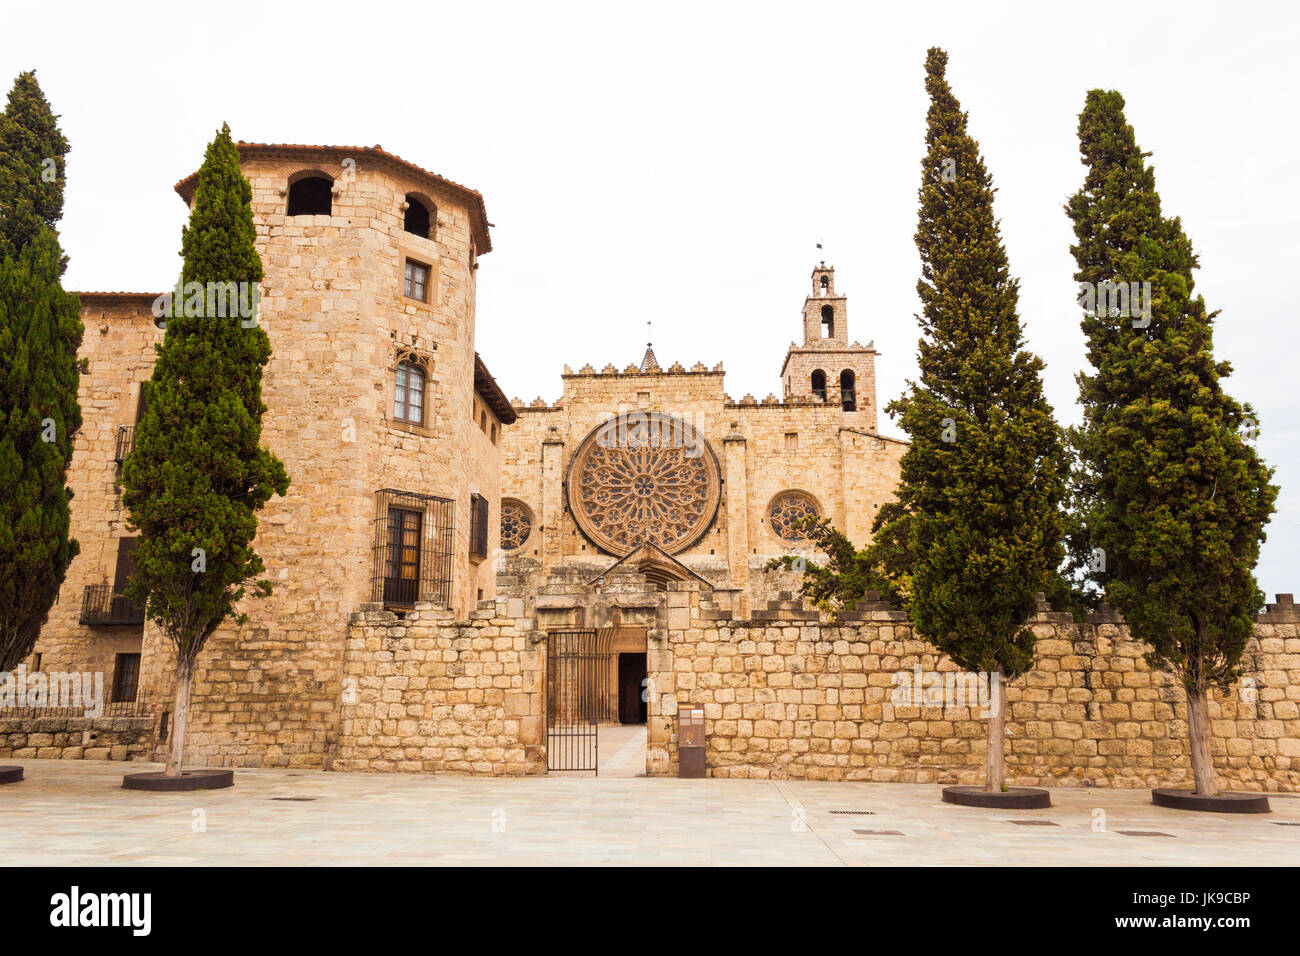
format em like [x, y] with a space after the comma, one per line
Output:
[679, 162]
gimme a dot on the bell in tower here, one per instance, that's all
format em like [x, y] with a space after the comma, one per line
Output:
[827, 369]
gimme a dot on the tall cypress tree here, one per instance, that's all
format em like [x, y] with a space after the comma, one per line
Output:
[40, 332]
[1176, 498]
[198, 475]
[984, 476]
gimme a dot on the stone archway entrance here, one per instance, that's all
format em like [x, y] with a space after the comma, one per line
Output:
[622, 691]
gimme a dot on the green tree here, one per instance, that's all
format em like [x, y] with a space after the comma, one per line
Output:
[1175, 497]
[849, 574]
[198, 475]
[40, 332]
[983, 479]
[32, 152]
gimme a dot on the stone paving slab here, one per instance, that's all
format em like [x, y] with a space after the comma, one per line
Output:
[75, 813]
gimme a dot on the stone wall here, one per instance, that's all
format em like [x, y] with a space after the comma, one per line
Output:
[791, 697]
[427, 693]
[79, 738]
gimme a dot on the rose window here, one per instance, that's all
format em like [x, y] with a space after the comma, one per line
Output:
[788, 511]
[644, 477]
[516, 524]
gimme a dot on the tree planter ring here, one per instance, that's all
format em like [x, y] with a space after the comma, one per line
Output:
[10, 774]
[1013, 798]
[157, 780]
[1219, 803]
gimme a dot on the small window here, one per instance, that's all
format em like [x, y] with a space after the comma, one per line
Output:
[494, 433]
[416, 281]
[643, 398]
[848, 400]
[126, 676]
[36, 662]
[819, 385]
[408, 393]
[311, 196]
[791, 441]
[828, 322]
[417, 217]
[482, 422]
[478, 526]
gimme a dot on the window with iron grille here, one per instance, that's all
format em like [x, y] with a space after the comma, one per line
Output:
[408, 393]
[126, 677]
[416, 281]
[478, 526]
[413, 548]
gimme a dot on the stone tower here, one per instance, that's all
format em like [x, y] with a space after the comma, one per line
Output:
[827, 368]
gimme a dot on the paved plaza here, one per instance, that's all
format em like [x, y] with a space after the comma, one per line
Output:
[75, 813]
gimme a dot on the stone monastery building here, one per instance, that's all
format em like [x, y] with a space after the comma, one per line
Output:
[418, 487]
[463, 583]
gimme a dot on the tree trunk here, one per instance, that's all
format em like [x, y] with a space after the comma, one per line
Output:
[994, 752]
[1198, 731]
[176, 751]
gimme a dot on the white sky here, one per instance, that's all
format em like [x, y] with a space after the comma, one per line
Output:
[679, 161]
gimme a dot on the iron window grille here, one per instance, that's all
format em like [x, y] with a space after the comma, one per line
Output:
[414, 544]
[103, 604]
[125, 443]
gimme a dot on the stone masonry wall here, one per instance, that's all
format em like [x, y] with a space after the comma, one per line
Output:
[796, 698]
[79, 738]
[427, 693]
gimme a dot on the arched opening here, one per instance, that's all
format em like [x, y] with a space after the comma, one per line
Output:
[848, 400]
[408, 393]
[828, 322]
[311, 195]
[825, 284]
[819, 385]
[418, 217]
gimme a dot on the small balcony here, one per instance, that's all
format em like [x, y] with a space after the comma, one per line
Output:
[125, 442]
[100, 604]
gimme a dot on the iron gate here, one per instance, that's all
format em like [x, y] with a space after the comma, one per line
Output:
[572, 705]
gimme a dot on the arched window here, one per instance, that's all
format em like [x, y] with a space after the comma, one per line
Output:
[826, 283]
[848, 400]
[311, 195]
[418, 218]
[819, 385]
[828, 322]
[408, 393]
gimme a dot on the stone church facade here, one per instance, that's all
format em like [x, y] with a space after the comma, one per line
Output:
[715, 485]
[407, 461]
[439, 544]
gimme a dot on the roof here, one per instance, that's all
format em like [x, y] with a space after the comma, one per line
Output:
[472, 197]
[118, 296]
[490, 392]
[649, 363]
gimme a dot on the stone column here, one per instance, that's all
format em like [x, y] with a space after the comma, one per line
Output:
[552, 499]
[737, 489]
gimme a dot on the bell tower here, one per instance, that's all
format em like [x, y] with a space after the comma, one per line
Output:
[828, 368]
[825, 314]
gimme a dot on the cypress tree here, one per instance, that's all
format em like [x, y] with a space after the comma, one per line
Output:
[40, 332]
[198, 475]
[984, 476]
[1176, 498]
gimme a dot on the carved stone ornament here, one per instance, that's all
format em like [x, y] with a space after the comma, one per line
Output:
[644, 477]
